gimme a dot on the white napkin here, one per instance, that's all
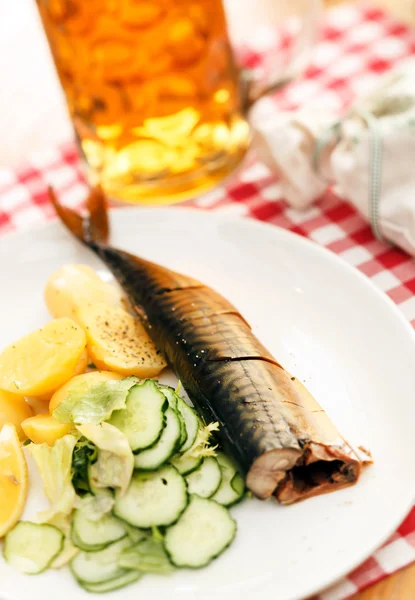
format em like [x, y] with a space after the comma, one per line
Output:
[368, 154]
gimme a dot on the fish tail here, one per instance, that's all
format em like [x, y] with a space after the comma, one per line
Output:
[91, 228]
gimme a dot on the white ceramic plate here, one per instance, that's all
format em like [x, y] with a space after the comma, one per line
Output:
[328, 325]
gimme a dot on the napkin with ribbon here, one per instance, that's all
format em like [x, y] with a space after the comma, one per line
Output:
[367, 154]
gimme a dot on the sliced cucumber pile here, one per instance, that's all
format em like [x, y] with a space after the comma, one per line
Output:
[31, 548]
[112, 584]
[148, 556]
[97, 567]
[180, 484]
[202, 533]
[153, 499]
[142, 420]
[232, 487]
[191, 423]
[159, 454]
[205, 481]
[173, 400]
[186, 464]
[170, 394]
[88, 533]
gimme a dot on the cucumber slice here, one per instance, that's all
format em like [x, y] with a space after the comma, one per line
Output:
[232, 487]
[170, 395]
[183, 431]
[153, 499]
[142, 420]
[77, 542]
[97, 567]
[135, 535]
[186, 464]
[238, 485]
[154, 457]
[205, 481]
[148, 556]
[191, 421]
[203, 532]
[112, 584]
[92, 535]
[101, 501]
[31, 547]
[173, 400]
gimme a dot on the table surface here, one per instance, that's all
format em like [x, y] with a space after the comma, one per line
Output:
[401, 585]
[46, 124]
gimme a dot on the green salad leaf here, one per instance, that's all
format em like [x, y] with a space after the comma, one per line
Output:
[85, 454]
[201, 446]
[115, 462]
[96, 506]
[55, 468]
[69, 551]
[85, 404]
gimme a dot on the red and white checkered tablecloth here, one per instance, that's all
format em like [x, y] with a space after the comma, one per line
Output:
[358, 45]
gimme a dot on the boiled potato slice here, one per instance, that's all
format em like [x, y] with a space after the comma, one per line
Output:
[44, 429]
[118, 342]
[74, 286]
[40, 404]
[82, 363]
[44, 360]
[87, 381]
[13, 410]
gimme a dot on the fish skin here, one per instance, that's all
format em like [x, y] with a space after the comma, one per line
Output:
[268, 421]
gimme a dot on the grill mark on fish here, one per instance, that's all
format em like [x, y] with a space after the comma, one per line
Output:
[302, 407]
[230, 358]
[168, 290]
[265, 404]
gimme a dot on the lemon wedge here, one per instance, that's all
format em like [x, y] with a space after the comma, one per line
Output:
[13, 478]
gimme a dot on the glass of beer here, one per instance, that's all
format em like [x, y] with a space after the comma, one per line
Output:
[157, 100]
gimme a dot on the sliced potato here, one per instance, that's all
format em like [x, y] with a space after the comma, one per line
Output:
[87, 381]
[39, 404]
[42, 361]
[118, 342]
[13, 410]
[44, 429]
[82, 363]
[74, 286]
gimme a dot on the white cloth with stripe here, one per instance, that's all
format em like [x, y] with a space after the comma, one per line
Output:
[312, 149]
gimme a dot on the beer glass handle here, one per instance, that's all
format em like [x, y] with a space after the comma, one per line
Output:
[255, 87]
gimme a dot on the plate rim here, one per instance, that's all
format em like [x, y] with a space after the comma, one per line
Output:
[291, 236]
[220, 216]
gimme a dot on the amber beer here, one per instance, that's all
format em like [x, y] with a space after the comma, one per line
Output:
[153, 92]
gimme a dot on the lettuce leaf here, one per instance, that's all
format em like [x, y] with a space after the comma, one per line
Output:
[115, 462]
[95, 404]
[69, 551]
[96, 507]
[55, 467]
[85, 454]
[201, 446]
